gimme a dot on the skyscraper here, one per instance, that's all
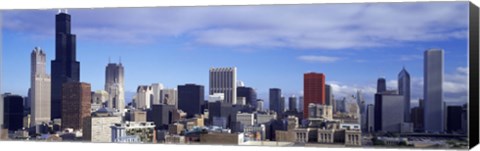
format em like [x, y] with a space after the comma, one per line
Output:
[300, 104]
[12, 112]
[156, 88]
[328, 95]
[313, 89]
[224, 80]
[370, 118]
[433, 90]
[191, 98]
[144, 97]
[114, 85]
[381, 85]
[388, 111]
[76, 104]
[404, 89]
[292, 103]
[454, 118]
[275, 98]
[249, 94]
[39, 88]
[65, 67]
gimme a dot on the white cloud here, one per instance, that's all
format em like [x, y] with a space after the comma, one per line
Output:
[410, 57]
[321, 59]
[354, 26]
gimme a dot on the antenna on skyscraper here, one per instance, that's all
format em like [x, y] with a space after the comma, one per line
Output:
[120, 60]
[109, 60]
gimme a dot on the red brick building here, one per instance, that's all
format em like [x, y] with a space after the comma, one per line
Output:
[313, 90]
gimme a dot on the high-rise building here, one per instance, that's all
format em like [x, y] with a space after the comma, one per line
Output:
[404, 89]
[370, 118]
[417, 117]
[12, 112]
[144, 97]
[360, 101]
[292, 103]
[454, 118]
[161, 115]
[39, 88]
[156, 88]
[249, 94]
[100, 97]
[381, 85]
[190, 99]
[328, 95]
[433, 90]
[276, 103]
[313, 90]
[65, 67]
[76, 104]
[224, 80]
[300, 104]
[115, 86]
[169, 97]
[260, 105]
[388, 111]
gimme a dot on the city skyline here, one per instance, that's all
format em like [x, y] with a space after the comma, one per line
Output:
[287, 62]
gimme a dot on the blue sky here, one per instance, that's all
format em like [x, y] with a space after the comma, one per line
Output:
[272, 46]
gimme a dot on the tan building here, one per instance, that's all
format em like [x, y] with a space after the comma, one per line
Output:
[138, 116]
[76, 104]
[326, 136]
[97, 128]
[285, 136]
[175, 128]
[304, 135]
[221, 138]
[292, 122]
[174, 139]
[197, 121]
[353, 138]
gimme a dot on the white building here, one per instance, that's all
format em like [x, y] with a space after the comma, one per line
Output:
[246, 119]
[144, 97]
[169, 96]
[156, 88]
[216, 97]
[260, 105]
[100, 97]
[224, 80]
[40, 88]
[114, 85]
[97, 127]
[265, 118]
[133, 132]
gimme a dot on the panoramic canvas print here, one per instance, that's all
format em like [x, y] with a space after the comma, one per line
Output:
[318, 75]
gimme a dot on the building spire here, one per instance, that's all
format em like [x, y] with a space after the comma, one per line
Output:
[120, 60]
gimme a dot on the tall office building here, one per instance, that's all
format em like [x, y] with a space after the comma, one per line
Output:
[454, 118]
[417, 116]
[76, 104]
[260, 105]
[12, 112]
[249, 94]
[388, 109]
[224, 80]
[328, 95]
[313, 89]
[156, 88]
[292, 103]
[381, 85]
[276, 103]
[300, 104]
[370, 118]
[169, 97]
[144, 97]
[360, 101]
[65, 67]
[404, 89]
[191, 98]
[433, 90]
[39, 88]
[114, 85]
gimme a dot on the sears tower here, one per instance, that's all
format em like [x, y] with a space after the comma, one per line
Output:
[65, 67]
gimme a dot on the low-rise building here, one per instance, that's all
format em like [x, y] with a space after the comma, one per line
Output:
[133, 132]
[222, 138]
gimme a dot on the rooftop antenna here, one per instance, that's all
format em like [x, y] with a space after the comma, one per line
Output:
[109, 60]
[120, 59]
